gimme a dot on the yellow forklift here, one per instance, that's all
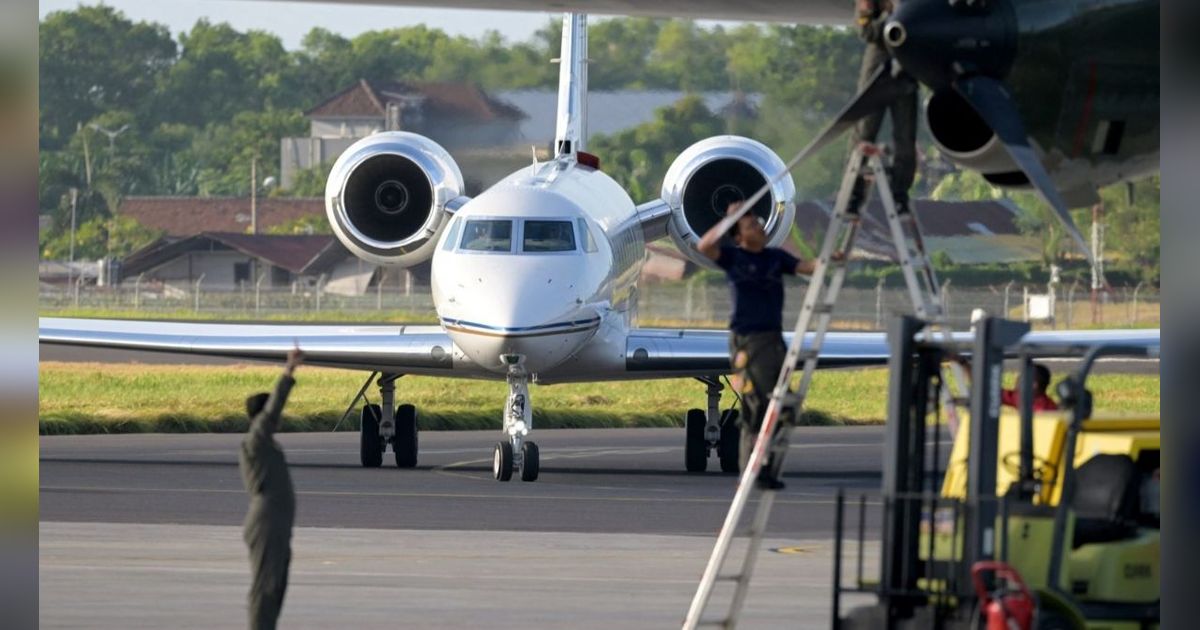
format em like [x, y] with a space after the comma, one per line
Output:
[1046, 520]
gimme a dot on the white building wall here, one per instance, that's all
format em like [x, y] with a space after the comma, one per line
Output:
[350, 277]
[217, 268]
[349, 127]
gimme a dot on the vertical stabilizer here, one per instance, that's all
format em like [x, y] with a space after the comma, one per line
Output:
[571, 133]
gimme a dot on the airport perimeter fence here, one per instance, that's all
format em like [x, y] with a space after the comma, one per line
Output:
[697, 304]
[870, 308]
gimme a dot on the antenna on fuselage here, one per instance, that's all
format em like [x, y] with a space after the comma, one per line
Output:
[571, 133]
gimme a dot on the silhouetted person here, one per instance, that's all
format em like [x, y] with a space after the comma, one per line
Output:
[755, 273]
[871, 16]
[268, 525]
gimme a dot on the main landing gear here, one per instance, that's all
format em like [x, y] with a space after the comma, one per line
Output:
[385, 424]
[514, 452]
[711, 429]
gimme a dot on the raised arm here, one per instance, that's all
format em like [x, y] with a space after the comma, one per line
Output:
[267, 421]
[710, 243]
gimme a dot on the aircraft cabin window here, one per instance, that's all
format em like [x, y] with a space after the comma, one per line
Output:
[548, 236]
[589, 243]
[488, 235]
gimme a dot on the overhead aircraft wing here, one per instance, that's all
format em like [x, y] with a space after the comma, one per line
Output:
[806, 11]
[663, 353]
[402, 349]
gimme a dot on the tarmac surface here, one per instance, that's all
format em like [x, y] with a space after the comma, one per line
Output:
[592, 480]
[144, 531]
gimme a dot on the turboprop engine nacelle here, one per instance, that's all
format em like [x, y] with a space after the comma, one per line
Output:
[963, 137]
[715, 172]
[387, 196]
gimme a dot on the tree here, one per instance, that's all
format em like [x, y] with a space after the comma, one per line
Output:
[638, 158]
[1133, 229]
[225, 152]
[312, 224]
[101, 237]
[309, 182]
[80, 77]
[221, 72]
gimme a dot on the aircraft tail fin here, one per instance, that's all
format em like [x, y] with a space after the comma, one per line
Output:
[570, 135]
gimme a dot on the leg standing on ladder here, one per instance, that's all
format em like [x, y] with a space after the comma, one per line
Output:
[872, 15]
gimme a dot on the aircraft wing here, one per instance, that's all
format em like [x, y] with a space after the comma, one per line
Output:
[404, 349]
[805, 11]
[664, 353]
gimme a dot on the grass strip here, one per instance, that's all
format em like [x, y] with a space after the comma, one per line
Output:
[83, 398]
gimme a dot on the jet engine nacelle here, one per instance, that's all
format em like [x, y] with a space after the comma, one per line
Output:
[387, 194]
[715, 172]
[965, 139]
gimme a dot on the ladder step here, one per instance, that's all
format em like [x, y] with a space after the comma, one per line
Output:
[823, 308]
[808, 354]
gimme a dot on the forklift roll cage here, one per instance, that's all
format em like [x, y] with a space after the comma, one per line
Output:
[940, 590]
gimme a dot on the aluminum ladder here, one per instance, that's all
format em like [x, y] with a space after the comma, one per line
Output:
[819, 300]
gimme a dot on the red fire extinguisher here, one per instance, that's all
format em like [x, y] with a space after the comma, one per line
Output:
[1011, 605]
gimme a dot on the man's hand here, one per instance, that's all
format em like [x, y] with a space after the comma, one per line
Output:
[294, 359]
[710, 243]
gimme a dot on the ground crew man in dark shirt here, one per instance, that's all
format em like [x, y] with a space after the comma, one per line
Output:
[268, 525]
[756, 347]
[871, 16]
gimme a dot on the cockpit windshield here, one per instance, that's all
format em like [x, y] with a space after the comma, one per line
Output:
[487, 235]
[548, 236]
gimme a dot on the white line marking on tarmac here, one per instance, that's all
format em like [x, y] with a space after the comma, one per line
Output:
[298, 574]
[433, 495]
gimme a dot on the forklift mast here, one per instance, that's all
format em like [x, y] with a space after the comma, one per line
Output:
[909, 480]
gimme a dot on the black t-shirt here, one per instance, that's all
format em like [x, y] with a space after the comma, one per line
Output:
[756, 281]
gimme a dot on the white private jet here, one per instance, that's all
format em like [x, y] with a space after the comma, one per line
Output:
[533, 280]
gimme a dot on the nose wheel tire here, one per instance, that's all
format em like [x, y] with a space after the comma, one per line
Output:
[529, 462]
[731, 436]
[502, 461]
[370, 443]
[695, 446]
[404, 443]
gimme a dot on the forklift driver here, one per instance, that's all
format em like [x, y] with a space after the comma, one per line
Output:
[1041, 383]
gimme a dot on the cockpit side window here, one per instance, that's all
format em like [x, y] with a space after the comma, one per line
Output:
[589, 243]
[487, 235]
[548, 236]
[452, 234]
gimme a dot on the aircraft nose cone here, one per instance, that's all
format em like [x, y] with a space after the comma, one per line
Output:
[935, 41]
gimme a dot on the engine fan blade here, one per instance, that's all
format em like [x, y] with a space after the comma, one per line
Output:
[995, 106]
[885, 86]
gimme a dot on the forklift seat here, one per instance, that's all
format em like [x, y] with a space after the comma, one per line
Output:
[1107, 499]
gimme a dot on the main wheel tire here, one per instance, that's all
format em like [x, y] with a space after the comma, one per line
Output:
[404, 443]
[502, 461]
[369, 443]
[731, 437]
[695, 447]
[530, 464]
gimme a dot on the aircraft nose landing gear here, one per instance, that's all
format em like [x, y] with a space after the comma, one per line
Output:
[515, 452]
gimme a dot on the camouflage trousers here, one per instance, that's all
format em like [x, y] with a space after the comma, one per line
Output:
[757, 359]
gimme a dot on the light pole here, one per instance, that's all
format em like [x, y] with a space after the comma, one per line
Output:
[267, 182]
[112, 135]
[71, 255]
